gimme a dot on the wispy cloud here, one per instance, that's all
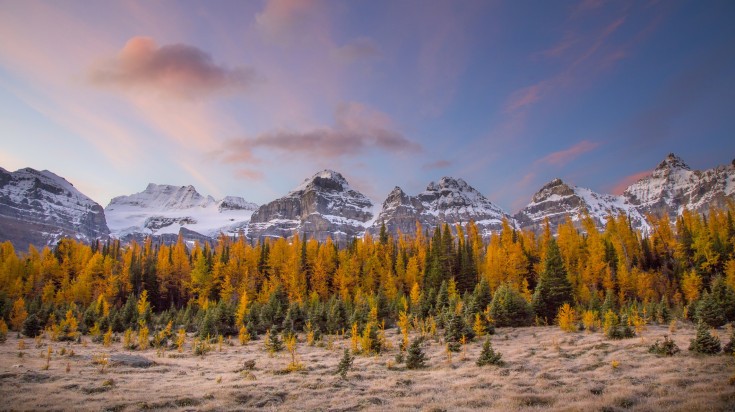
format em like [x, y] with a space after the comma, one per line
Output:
[439, 164]
[619, 187]
[563, 157]
[356, 130]
[287, 22]
[360, 48]
[176, 70]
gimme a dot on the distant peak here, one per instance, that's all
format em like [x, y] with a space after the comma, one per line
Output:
[554, 187]
[448, 182]
[671, 162]
[396, 190]
[554, 183]
[325, 178]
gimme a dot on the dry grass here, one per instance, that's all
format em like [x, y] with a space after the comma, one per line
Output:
[545, 369]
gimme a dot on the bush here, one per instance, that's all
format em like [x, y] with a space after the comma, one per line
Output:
[567, 318]
[704, 342]
[665, 348]
[416, 358]
[32, 326]
[488, 356]
[509, 308]
[730, 347]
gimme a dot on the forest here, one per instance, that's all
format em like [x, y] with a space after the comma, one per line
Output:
[616, 280]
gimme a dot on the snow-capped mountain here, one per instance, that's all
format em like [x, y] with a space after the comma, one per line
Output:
[167, 209]
[40, 207]
[322, 206]
[558, 201]
[673, 186]
[448, 201]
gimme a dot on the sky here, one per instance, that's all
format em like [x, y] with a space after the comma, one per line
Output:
[249, 98]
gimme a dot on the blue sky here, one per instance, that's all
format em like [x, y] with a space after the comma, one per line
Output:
[249, 98]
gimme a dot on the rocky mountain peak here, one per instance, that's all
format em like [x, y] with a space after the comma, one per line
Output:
[555, 187]
[325, 180]
[672, 162]
[39, 207]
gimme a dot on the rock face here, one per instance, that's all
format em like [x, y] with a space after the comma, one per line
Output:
[165, 211]
[39, 208]
[448, 201]
[673, 186]
[322, 206]
[558, 201]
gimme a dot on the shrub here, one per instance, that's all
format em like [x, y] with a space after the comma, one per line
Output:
[704, 342]
[510, 308]
[273, 344]
[730, 347]
[567, 318]
[665, 348]
[32, 326]
[590, 321]
[488, 356]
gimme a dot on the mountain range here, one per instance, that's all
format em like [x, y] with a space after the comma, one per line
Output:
[40, 207]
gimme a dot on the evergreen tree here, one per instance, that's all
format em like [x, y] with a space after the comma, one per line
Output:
[510, 308]
[275, 344]
[704, 342]
[553, 289]
[32, 326]
[710, 312]
[345, 364]
[457, 328]
[488, 356]
[416, 358]
[442, 298]
[482, 295]
[725, 297]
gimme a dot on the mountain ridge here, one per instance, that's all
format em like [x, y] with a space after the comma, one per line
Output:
[325, 205]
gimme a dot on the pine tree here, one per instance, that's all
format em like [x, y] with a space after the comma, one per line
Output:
[456, 329]
[488, 356]
[553, 289]
[704, 342]
[345, 364]
[274, 343]
[416, 358]
[710, 311]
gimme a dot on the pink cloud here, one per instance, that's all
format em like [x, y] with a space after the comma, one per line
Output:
[176, 70]
[563, 157]
[289, 21]
[249, 174]
[523, 97]
[619, 187]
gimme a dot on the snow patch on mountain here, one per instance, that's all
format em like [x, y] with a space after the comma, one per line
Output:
[165, 209]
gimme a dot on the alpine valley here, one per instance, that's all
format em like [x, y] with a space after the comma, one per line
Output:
[39, 208]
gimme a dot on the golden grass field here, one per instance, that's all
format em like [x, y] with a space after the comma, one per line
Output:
[545, 369]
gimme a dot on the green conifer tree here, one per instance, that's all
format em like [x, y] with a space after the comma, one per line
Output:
[704, 342]
[416, 358]
[553, 289]
[488, 356]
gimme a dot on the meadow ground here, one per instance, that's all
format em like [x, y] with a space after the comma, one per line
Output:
[545, 369]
